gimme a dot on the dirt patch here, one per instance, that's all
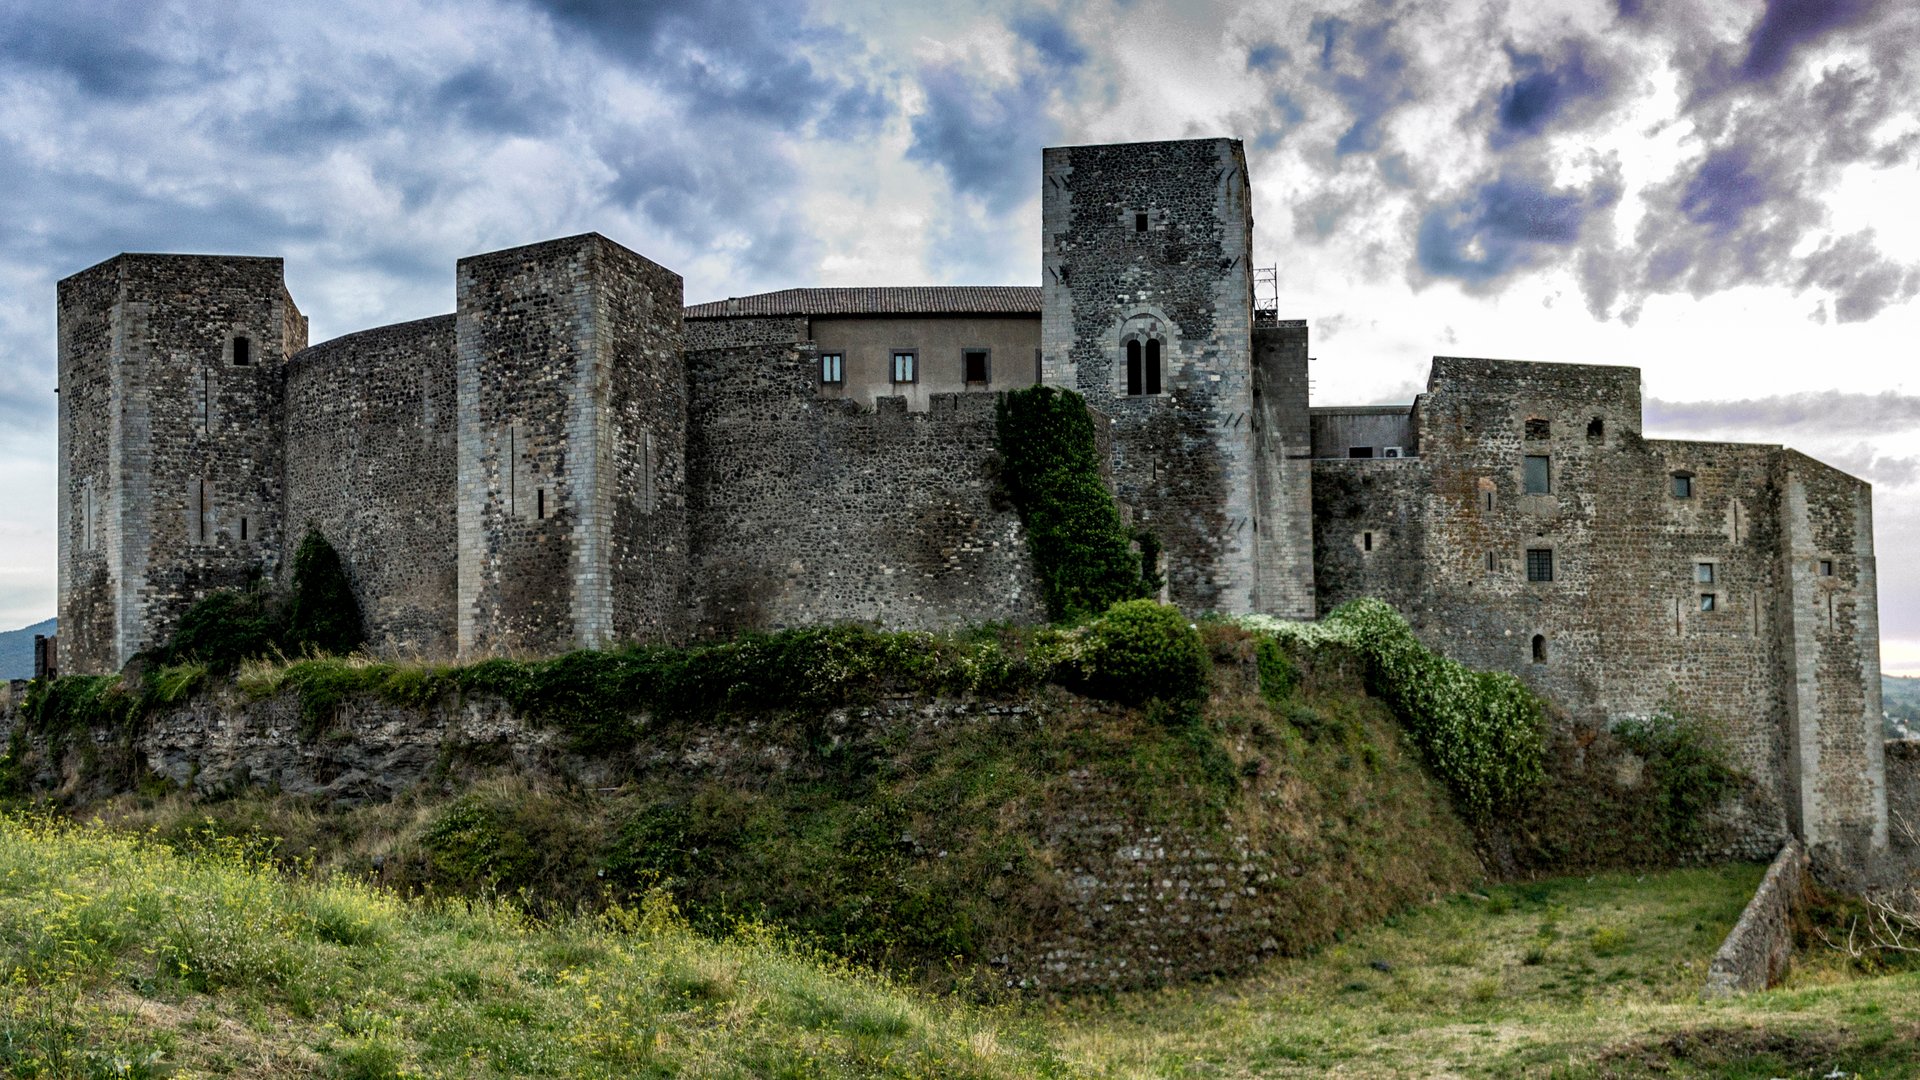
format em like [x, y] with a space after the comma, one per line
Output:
[1780, 1053]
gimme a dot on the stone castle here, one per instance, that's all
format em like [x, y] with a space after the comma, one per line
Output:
[575, 458]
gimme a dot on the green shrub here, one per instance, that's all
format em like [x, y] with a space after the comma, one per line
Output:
[1279, 675]
[322, 615]
[224, 628]
[1483, 732]
[1688, 769]
[1051, 468]
[1141, 651]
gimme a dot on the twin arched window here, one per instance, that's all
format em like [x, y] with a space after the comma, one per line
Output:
[1143, 367]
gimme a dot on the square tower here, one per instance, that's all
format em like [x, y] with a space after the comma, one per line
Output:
[571, 489]
[170, 442]
[1147, 312]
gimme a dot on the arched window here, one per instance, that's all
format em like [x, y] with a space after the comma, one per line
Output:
[1133, 368]
[1539, 648]
[1153, 365]
[1596, 430]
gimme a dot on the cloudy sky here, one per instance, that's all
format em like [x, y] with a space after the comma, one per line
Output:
[1726, 194]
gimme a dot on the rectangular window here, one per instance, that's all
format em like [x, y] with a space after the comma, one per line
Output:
[833, 369]
[1703, 573]
[242, 352]
[1682, 485]
[1539, 475]
[1706, 601]
[540, 504]
[243, 528]
[974, 365]
[1359, 451]
[1826, 567]
[1539, 564]
[1366, 541]
[1139, 223]
[906, 367]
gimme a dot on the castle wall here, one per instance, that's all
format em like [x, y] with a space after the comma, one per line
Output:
[698, 335]
[186, 496]
[1283, 488]
[570, 447]
[1183, 458]
[1340, 429]
[809, 512]
[371, 462]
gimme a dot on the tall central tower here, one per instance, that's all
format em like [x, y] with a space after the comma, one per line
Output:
[1148, 314]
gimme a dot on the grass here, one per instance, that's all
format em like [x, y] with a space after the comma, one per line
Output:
[121, 956]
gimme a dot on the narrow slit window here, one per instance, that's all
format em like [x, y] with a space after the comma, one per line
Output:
[1539, 648]
[833, 369]
[1491, 562]
[1366, 541]
[906, 366]
[1487, 498]
[974, 361]
[1133, 369]
[540, 504]
[1539, 474]
[242, 352]
[1153, 366]
[243, 528]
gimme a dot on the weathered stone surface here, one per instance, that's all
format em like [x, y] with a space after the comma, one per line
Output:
[1759, 949]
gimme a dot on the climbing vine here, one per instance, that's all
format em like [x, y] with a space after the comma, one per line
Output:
[1051, 468]
[1483, 732]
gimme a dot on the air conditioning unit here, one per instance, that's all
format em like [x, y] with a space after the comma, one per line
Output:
[1391, 451]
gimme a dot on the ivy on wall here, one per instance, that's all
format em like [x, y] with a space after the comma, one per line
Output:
[1050, 465]
[1483, 732]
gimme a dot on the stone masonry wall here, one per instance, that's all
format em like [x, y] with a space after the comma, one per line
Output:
[806, 511]
[1759, 949]
[1184, 458]
[190, 479]
[732, 332]
[567, 355]
[1283, 477]
[370, 461]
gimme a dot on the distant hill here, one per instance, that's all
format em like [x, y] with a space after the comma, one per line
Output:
[16, 650]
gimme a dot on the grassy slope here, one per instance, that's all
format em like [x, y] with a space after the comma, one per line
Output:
[124, 958]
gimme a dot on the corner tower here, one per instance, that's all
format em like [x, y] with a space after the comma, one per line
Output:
[571, 490]
[170, 442]
[1147, 312]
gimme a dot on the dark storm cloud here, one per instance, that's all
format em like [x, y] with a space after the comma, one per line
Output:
[1360, 64]
[488, 100]
[1045, 32]
[1726, 187]
[986, 137]
[1508, 224]
[1545, 90]
[102, 47]
[1862, 280]
[743, 59]
[1789, 25]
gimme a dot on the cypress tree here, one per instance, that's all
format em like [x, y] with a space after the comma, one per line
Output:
[323, 615]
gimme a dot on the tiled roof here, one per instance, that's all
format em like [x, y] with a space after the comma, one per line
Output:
[883, 300]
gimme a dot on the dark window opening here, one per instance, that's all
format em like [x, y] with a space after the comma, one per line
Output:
[1596, 430]
[540, 504]
[1706, 601]
[833, 368]
[1366, 541]
[1490, 560]
[1039, 367]
[1539, 475]
[905, 366]
[1682, 485]
[1488, 496]
[1539, 564]
[1359, 451]
[243, 528]
[1133, 369]
[1703, 573]
[1539, 429]
[1539, 648]
[1153, 366]
[1826, 567]
[975, 362]
[242, 352]
[1139, 223]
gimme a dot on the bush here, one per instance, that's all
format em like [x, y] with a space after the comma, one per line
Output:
[224, 628]
[1687, 766]
[1142, 650]
[1050, 465]
[322, 615]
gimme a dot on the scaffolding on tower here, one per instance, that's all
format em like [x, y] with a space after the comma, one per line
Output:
[1266, 296]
